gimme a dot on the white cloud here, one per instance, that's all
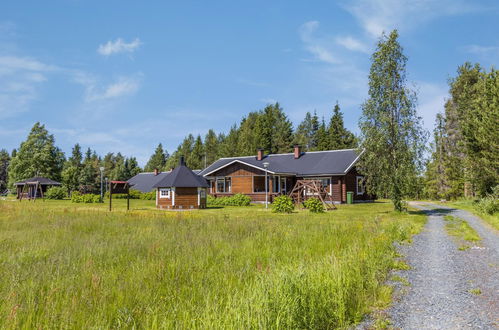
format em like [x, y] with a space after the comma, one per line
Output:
[122, 87]
[352, 44]
[317, 47]
[376, 16]
[119, 46]
[482, 50]
[19, 80]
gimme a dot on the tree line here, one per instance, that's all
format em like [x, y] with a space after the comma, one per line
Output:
[465, 155]
[269, 129]
[38, 156]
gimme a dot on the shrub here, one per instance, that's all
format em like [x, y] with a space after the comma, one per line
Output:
[314, 205]
[235, 200]
[134, 194]
[148, 196]
[283, 204]
[490, 203]
[77, 197]
[55, 193]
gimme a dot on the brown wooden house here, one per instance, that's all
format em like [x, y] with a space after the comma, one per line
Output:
[335, 168]
[181, 189]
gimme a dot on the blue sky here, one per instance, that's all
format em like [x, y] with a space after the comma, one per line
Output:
[126, 75]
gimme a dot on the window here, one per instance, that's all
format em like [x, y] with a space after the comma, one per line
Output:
[360, 185]
[224, 185]
[275, 184]
[283, 185]
[164, 193]
[326, 183]
[258, 183]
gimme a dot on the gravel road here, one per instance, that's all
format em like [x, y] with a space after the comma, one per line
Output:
[442, 278]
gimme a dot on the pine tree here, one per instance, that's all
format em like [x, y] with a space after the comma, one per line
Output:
[306, 132]
[157, 160]
[72, 170]
[89, 180]
[474, 97]
[321, 137]
[197, 158]
[37, 156]
[248, 135]
[229, 143]
[211, 148]
[4, 173]
[339, 136]
[392, 135]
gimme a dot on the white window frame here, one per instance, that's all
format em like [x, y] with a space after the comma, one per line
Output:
[167, 190]
[360, 191]
[224, 178]
[320, 178]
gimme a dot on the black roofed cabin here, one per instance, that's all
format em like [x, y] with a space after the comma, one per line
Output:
[181, 189]
[334, 168]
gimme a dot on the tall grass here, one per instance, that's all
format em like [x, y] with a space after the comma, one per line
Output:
[67, 267]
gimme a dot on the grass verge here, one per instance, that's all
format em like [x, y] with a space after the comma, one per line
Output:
[467, 205]
[78, 266]
[459, 228]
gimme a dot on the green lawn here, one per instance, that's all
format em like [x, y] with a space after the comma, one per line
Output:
[65, 265]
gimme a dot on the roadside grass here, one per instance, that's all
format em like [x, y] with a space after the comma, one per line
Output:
[459, 228]
[66, 265]
[467, 205]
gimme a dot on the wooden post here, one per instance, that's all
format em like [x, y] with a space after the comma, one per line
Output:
[110, 196]
[128, 199]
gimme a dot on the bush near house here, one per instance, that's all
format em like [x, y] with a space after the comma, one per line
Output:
[283, 204]
[314, 205]
[235, 200]
[55, 193]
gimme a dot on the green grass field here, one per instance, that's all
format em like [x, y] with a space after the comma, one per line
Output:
[65, 265]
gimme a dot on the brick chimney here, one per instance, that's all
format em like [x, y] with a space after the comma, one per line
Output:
[156, 171]
[297, 151]
[259, 155]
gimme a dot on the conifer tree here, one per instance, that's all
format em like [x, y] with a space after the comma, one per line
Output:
[339, 136]
[157, 160]
[321, 137]
[197, 158]
[211, 147]
[391, 132]
[72, 170]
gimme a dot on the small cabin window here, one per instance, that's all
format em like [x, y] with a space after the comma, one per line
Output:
[360, 185]
[164, 193]
[224, 185]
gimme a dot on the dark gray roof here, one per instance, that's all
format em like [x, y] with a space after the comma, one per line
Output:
[145, 182]
[43, 181]
[330, 162]
[183, 177]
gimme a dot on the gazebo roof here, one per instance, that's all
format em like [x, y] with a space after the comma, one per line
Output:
[41, 181]
[182, 177]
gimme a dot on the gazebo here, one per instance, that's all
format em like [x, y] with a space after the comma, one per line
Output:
[181, 189]
[34, 187]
